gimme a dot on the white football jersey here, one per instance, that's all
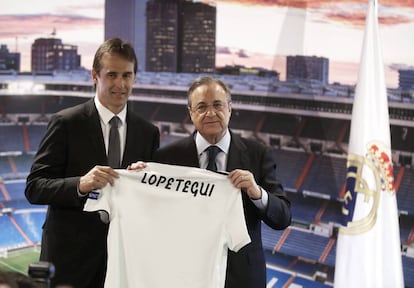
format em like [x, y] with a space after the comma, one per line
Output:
[170, 226]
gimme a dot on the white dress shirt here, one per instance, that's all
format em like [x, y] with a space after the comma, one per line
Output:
[105, 115]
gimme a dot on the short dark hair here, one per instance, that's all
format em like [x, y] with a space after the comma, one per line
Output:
[115, 45]
[206, 80]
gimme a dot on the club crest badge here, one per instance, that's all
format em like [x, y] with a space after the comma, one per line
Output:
[367, 176]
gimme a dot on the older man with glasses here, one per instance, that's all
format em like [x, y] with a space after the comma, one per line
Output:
[250, 166]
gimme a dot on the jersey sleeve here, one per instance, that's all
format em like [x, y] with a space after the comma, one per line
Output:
[99, 200]
[238, 236]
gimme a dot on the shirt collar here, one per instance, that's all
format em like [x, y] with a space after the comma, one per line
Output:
[106, 114]
[202, 143]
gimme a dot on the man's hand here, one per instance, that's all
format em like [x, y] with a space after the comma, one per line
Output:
[139, 165]
[244, 180]
[97, 178]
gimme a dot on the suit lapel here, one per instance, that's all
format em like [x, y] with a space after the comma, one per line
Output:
[192, 155]
[238, 159]
[237, 154]
[185, 153]
[131, 140]
[94, 131]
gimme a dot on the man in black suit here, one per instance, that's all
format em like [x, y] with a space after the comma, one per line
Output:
[252, 168]
[72, 161]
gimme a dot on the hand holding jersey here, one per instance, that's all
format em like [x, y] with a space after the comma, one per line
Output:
[170, 226]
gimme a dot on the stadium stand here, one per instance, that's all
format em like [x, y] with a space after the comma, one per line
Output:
[293, 162]
[309, 149]
[15, 188]
[5, 166]
[281, 124]
[305, 209]
[10, 237]
[326, 175]
[11, 138]
[31, 222]
[34, 136]
[331, 212]
[408, 264]
[405, 194]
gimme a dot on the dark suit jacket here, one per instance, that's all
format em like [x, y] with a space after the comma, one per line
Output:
[246, 268]
[73, 240]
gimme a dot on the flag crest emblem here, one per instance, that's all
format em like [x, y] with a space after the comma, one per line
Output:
[368, 175]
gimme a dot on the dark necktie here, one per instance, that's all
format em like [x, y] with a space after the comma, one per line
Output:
[114, 146]
[213, 150]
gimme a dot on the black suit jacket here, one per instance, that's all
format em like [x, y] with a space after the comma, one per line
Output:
[73, 240]
[246, 268]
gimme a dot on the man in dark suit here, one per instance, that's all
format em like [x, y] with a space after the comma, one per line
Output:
[252, 168]
[72, 161]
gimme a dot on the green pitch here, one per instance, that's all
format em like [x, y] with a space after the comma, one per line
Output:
[18, 261]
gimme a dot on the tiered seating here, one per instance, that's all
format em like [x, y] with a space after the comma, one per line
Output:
[330, 259]
[298, 265]
[405, 194]
[23, 163]
[32, 105]
[406, 226]
[11, 138]
[315, 128]
[290, 165]
[296, 278]
[326, 175]
[21, 203]
[289, 250]
[243, 120]
[304, 209]
[178, 113]
[160, 112]
[270, 237]
[282, 124]
[31, 222]
[305, 267]
[35, 133]
[277, 277]
[408, 267]
[15, 188]
[279, 259]
[9, 236]
[5, 166]
[168, 138]
[303, 282]
[315, 244]
[402, 138]
[333, 212]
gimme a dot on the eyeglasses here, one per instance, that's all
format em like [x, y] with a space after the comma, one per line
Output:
[202, 108]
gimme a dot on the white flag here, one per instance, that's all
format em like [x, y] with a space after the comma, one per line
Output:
[368, 249]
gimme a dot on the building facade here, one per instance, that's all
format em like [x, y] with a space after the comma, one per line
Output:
[128, 22]
[406, 79]
[197, 38]
[181, 36]
[50, 54]
[9, 60]
[162, 36]
[309, 68]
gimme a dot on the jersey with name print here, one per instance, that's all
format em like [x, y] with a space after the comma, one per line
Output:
[170, 226]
